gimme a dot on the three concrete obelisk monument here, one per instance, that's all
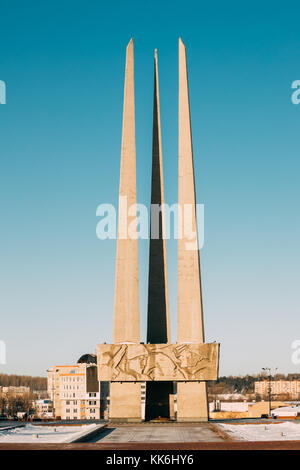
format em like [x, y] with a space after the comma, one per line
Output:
[190, 362]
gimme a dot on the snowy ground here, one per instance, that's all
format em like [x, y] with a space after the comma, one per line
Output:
[286, 431]
[44, 433]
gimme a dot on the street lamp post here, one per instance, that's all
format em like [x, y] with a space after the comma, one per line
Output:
[268, 370]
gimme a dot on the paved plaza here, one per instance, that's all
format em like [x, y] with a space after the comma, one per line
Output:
[155, 433]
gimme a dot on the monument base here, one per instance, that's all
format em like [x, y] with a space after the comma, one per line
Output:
[192, 405]
[193, 420]
[124, 420]
[125, 402]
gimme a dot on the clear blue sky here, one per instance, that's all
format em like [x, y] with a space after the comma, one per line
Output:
[60, 138]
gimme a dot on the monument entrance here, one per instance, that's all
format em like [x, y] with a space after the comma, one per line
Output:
[127, 362]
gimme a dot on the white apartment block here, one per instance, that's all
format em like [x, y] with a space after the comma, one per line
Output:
[43, 408]
[278, 387]
[75, 391]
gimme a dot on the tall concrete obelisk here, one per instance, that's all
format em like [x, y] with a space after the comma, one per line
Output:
[191, 396]
[125, 397]
[158, 321]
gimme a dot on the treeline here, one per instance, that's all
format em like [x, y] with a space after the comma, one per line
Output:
[34, 383]
[235, 384]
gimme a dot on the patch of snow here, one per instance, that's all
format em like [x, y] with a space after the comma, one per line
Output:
[29, 433]
[286, 411]
[288, 431]
[231, 396]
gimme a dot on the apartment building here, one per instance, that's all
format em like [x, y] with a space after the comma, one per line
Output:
[43, 408]
[278, 387]
[75, 391]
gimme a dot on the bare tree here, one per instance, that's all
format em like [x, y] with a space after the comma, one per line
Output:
[3, 403]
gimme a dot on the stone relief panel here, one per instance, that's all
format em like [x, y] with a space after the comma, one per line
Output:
[156, 362]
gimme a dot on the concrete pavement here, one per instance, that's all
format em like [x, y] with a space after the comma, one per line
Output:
[156, 433]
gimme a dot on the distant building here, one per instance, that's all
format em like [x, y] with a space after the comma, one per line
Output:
[236, 406]
[14, 390]
[43, 408]
[75, 389]
[239, 410]
[278, 387]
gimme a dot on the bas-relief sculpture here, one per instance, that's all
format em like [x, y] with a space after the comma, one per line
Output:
[159, 362]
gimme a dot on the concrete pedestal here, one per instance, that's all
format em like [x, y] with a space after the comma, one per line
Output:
[125, 402]
[192, 403]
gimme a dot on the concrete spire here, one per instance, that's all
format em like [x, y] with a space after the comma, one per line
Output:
[126, 307]
[190, 316]
[191, 396]
[125, 398]
[158, 326]
[158, 394]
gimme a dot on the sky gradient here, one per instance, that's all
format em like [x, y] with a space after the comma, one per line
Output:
[60, 139]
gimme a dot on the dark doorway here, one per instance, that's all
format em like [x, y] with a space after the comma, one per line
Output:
[158, 400]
